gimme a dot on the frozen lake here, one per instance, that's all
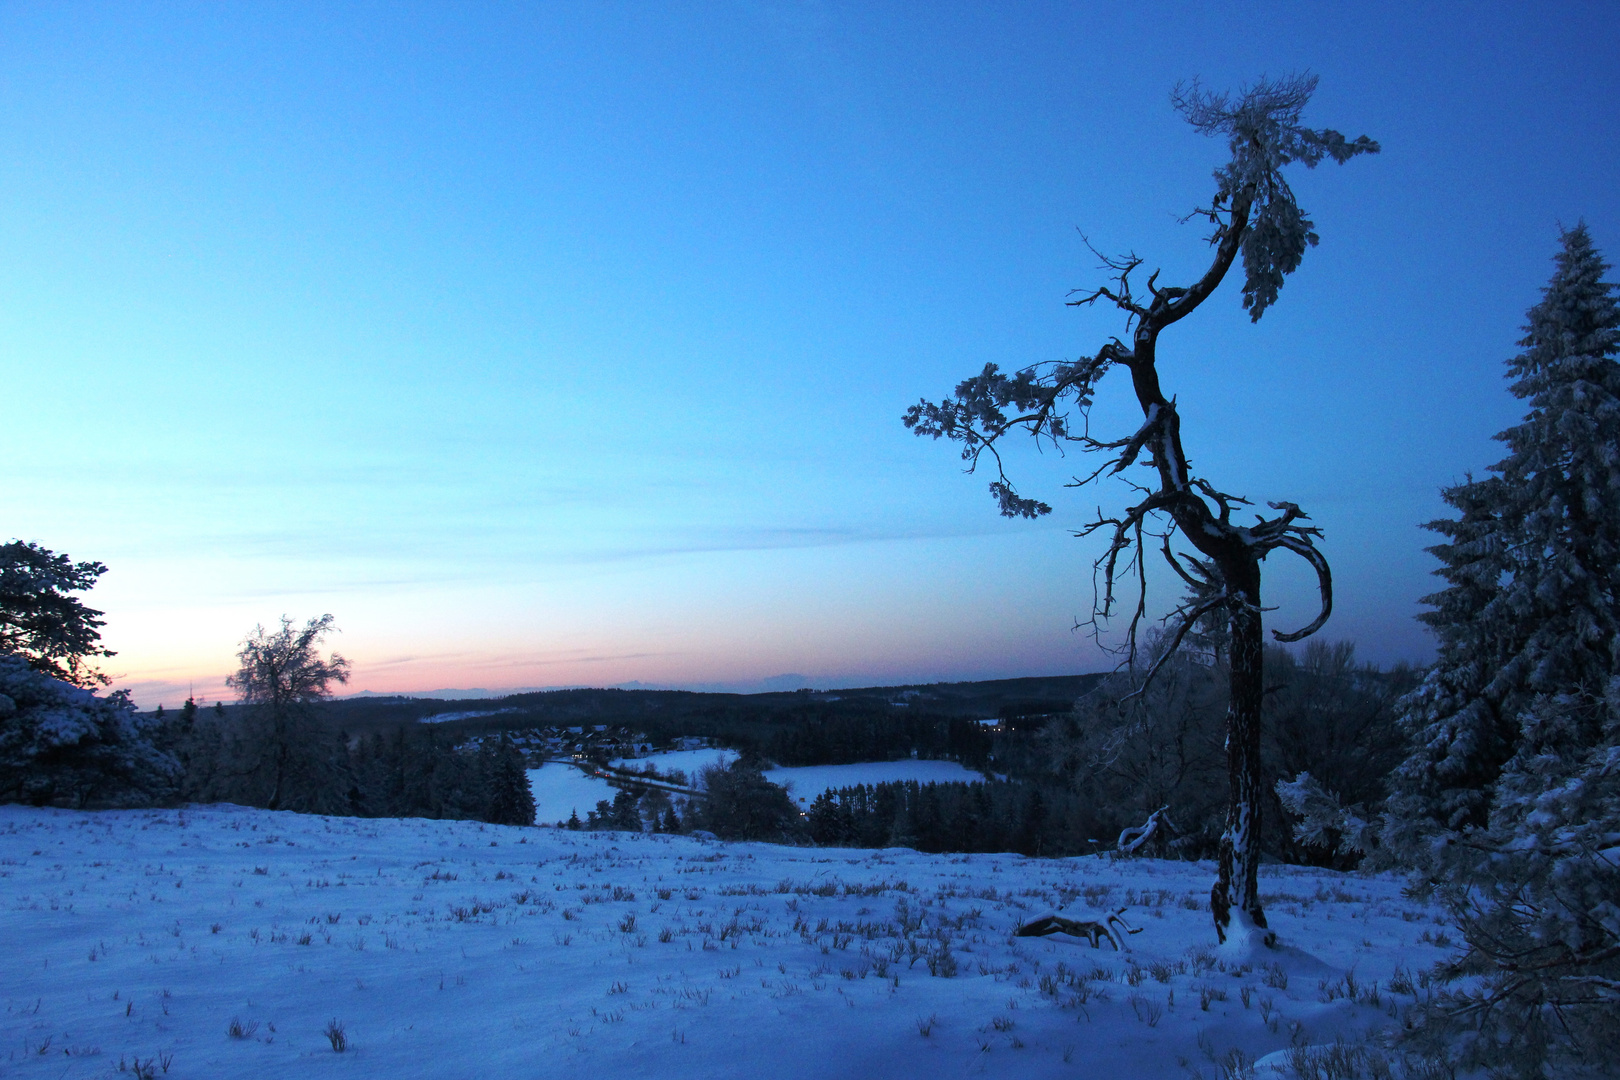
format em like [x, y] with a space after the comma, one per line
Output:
[562, 789]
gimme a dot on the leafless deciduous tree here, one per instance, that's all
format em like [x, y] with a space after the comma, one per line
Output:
[282, 676]
[1253, 217]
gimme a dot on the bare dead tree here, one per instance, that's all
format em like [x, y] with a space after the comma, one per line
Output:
[1253, 215]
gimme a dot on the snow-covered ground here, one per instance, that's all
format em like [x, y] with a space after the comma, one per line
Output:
[456, 949]
[446, 717]
[563, 789]
[687, 761]
[560, 790]
[806, 782]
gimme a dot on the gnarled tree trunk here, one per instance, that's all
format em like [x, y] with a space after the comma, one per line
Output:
[1235, 897]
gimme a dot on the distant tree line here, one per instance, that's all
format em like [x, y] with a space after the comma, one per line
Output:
[805, 737]
[1068, 782]
[1031, 819]
[1073, 779]
[63, 744]
[1082, 777]
[738, 804]
[310, 766]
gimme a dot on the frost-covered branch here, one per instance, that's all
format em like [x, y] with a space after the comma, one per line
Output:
[1133, 839]
[1324, 821]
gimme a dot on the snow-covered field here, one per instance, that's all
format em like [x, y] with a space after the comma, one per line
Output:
[446, 717]
[687, 761]
[560, 790]
[456, 949]
[806, 782]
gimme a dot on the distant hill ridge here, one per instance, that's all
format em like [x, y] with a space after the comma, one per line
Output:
[887, 721]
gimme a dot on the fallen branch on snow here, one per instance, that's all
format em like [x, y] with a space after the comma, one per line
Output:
[1112, 929]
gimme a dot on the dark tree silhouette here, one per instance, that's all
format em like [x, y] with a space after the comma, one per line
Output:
[740, 804]
[40, 619]
[288, 754]
[510, 802]
[1253, 215]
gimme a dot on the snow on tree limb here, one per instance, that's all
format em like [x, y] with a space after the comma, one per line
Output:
[1324, 821]
[1132, 840]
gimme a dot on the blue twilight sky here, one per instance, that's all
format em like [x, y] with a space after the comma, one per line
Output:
[560, 343]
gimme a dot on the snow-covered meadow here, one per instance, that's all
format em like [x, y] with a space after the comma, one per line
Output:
[560, 790]
[690, 762]
[219, 941]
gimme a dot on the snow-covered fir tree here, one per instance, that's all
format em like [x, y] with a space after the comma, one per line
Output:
[65, 745]
[1509, 804]
[1462, 735]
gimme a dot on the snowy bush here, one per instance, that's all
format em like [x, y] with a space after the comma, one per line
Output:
[61, 744]
[742, 805]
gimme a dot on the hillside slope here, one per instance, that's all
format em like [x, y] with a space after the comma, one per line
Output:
[455, 949]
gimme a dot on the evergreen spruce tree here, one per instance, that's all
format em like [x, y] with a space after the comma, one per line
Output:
[601, 817]
[1461, 735]
[1510, 802]
[903, 828]
[626, 812]
[740, 804]
[510, 800]
[825, 821]
[654, 801]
